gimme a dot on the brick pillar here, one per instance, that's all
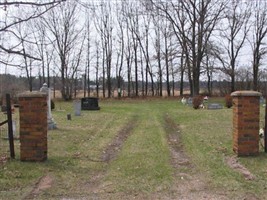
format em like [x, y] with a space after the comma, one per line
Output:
[33, 126]
[246, 114]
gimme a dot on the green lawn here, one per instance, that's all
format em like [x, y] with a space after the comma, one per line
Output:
[142, 165]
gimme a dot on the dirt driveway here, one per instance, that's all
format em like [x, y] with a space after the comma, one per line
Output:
[189, 184]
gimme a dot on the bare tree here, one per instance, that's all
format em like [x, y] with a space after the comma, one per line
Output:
[121, 49]
[104, 25]
[23, 35]
[157, 45]
[28, 66]
[44, 50]
[97, 67]
[133, 20]
[12, 16]
[233, 37]
[128, 50]
[209, 63]
[200, 18]
[74, 62]
[168, 50]
[142, 35]
[64, 30]
[129, 58]
[259, 27]
[244, 78]
[86, 81]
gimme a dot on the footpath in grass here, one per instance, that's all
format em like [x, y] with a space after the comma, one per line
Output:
[136, 149]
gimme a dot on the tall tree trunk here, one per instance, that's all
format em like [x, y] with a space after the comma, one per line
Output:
[129, 76]
[136, 68]
[182, 74]
[96, 74]
[104, 74]
[167, 68]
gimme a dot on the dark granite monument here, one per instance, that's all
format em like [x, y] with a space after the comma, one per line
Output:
[90, 103]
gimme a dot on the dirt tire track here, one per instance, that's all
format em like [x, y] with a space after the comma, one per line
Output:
[187, 185]
[233, 163]
[43, 183]
[115, 146]
[179, 158]
[109, 154]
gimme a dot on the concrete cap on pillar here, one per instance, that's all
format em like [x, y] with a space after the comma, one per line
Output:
[246, 93]
[32, 94]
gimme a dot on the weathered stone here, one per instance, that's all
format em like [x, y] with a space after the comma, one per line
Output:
[213, 106]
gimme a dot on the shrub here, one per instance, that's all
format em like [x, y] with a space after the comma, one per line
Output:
[197, 101]
[228, 101]
[52, 105]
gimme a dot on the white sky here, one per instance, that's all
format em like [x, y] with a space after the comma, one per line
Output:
[244, 59]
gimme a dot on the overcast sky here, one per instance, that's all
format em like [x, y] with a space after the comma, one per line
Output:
[244, 59]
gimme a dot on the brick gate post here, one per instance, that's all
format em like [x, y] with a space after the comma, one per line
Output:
[33, 126]
[246, 118]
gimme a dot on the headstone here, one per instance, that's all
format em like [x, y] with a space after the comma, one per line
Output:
[183, 101]
[77, 107]
[90, 103]
[68, 116]
[50, 121]
[262, 100]
[213, 106]
[189, 101]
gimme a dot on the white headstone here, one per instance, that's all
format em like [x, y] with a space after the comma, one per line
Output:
[50, 121]
[77, 107]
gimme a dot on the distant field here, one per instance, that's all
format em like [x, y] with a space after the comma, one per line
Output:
[80, 93]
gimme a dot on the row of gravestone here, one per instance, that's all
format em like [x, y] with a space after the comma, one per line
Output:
[87, 103]
[211, 106]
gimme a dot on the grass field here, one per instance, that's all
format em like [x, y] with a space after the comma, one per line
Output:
[123, 151]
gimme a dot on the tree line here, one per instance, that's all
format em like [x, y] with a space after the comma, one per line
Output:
[137, 48]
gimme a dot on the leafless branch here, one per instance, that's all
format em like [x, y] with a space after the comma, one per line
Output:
[9, 64]
[33, 16]
[36, 14]
[30, 3]
[10, 51]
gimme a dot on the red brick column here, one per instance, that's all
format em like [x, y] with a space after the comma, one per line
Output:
[246, 114]
[33, 126]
